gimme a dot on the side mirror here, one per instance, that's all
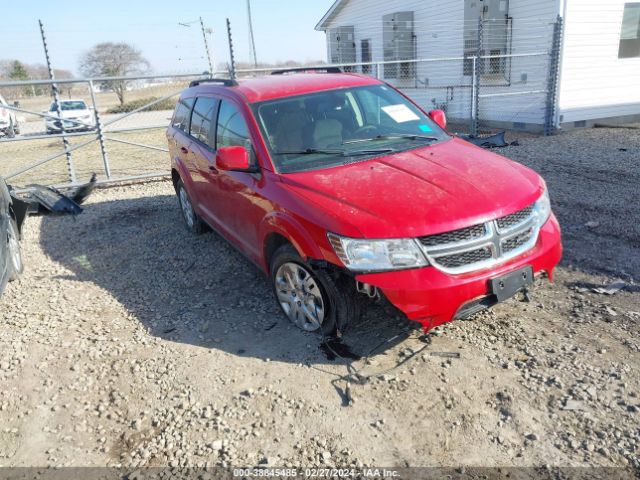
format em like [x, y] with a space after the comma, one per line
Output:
[439, 117]
[235, 159]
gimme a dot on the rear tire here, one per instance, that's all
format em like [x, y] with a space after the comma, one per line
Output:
[16, 266]
[326, 307]
[191, 219]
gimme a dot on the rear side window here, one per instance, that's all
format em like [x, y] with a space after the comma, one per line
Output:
[202, 120]
[232, 129]
[182, 114]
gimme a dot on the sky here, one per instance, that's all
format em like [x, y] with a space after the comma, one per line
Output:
[283, 30]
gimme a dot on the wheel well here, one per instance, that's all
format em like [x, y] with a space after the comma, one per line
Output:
[274, 241]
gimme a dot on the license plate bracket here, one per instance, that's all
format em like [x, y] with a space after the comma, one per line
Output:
[506, 286]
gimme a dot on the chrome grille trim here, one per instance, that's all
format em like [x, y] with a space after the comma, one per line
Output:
[509, 221]
[454, 236]
[505, 238]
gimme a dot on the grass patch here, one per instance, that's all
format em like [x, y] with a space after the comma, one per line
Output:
[167, 104]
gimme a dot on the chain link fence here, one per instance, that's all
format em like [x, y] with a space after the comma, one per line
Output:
[95, 132]
[115, 127]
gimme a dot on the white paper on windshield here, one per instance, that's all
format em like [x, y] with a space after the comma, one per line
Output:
[400, 113]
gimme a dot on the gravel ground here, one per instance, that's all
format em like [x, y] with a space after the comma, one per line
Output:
[130, 342]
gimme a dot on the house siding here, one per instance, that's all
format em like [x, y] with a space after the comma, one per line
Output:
[439, 30]
[595, 83]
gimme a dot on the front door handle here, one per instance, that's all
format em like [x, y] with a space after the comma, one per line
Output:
[213, 169]
[184, 149]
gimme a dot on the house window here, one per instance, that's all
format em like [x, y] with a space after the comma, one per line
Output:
[365, 54]
[399, 43]
[497, 28]
[343, 46]
[630, 34]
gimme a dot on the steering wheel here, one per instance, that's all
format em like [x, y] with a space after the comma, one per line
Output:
[364, 129]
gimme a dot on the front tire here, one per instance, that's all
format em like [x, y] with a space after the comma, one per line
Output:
[191, 219]
[312, 299]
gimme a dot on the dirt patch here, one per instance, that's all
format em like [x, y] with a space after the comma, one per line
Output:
[144, 345]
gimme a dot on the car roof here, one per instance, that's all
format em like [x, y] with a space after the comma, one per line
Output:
[279, 86]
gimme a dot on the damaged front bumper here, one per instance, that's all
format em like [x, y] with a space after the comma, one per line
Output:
[431, 297]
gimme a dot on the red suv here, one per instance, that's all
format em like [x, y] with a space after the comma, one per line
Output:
[340, 187]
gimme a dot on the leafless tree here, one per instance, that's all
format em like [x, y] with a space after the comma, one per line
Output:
[114, 60]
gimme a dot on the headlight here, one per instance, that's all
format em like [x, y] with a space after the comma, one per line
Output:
[375, 255]
[542, 207]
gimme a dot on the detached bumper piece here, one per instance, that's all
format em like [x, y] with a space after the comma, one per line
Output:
[41, 200]
[493, 141]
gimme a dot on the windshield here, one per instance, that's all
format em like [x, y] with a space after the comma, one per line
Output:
[325, 129]
[69, 105]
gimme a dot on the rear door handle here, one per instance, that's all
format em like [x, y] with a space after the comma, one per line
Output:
[184, 149]
[213, 169]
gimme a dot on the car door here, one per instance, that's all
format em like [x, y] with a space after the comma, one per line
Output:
[203, 157]
[239, 203]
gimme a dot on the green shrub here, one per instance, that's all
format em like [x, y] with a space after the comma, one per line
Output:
[167, 104]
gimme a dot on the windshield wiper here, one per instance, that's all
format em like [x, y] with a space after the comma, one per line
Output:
[339, 152]
[409, 136]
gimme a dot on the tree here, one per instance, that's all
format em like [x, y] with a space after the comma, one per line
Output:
[18, 71]
[111, 59]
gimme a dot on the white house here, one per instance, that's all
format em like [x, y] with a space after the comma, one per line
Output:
[523, 76]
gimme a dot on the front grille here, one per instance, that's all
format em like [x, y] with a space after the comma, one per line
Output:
[460, 259]
[516, 241]
[483, 245]
[515, 218]
[464, 234]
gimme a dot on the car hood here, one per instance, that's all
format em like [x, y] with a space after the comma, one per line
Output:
[434, 189]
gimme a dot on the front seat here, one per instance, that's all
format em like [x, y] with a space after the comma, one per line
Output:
[288, 134]
[327, 133]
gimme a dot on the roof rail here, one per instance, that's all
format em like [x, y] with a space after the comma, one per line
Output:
[307, 70]
[220, 81]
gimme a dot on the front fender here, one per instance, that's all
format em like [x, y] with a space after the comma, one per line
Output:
[294, 231]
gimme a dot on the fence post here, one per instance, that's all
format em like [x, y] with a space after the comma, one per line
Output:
[56, 99]
[232, 59]
[554, 76]
[475, 88]
[103, 148]
[473, 128]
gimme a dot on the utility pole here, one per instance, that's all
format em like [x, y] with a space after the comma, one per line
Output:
[204, 37]
[206, 46]
[232, 65]
[252, 43]
[56, 99]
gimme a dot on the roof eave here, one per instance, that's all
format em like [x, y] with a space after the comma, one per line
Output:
[322, 24]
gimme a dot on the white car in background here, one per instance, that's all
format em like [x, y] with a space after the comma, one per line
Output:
[9, 125]
[76, 115]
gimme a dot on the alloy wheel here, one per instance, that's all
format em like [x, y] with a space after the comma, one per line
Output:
[300, 296]
[187, 209]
